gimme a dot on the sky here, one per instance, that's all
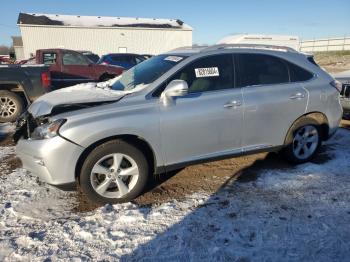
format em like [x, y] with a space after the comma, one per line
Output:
[211, 19]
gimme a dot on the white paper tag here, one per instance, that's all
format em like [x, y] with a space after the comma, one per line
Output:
[207, 72]
[173, 58]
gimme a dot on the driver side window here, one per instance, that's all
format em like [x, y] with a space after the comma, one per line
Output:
[208, 74]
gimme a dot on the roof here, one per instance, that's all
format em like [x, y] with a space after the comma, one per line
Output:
[218, 47]
[17, 41]
[99, 21]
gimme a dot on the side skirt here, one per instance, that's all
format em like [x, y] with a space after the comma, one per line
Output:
[165, 169]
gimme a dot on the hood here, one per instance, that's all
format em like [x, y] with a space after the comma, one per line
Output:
[77, 97]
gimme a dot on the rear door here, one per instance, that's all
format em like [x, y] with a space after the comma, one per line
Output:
[272, 101]
[207, 122]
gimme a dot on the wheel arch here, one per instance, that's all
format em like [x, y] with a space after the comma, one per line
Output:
[319, 117]
[15, 87]
[134, 140]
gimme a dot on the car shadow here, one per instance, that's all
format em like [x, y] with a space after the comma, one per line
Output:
[219, 229]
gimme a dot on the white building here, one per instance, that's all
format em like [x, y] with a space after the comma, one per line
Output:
[18, 47]
[277, 40]
[102, 35]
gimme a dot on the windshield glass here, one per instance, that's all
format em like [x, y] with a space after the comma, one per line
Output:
[146, 72]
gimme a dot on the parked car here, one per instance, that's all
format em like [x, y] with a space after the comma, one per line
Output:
[5, 60]
[146, 56]
[344, 78]
[175, 110]
[19, 86]
[69, 67]
[124, 60]
[91, 56]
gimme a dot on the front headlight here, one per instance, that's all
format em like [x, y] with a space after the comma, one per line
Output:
[48, 130]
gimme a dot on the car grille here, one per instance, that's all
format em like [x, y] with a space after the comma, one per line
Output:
[345, 92]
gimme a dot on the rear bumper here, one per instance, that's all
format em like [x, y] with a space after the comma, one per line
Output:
[52, 160]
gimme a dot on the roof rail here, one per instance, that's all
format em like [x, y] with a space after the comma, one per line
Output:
[251, 46]
[190, 47]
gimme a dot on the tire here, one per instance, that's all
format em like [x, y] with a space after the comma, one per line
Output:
[303, 141]
[11, 106]
[104, 175]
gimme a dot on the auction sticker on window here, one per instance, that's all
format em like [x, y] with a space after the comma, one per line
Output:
[173, 58]
[207, 72]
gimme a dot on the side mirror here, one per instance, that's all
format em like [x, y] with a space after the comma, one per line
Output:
[175, 88]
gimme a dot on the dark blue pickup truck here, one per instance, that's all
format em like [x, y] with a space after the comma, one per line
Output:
[19, 86]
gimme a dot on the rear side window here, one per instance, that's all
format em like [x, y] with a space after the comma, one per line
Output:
[49, 58]
[258, 69]
[298, 74]
[312, 60]
[123, 58]
[208, 74]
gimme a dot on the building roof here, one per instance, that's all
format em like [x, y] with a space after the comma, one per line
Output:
[99, 21]
[17, 41]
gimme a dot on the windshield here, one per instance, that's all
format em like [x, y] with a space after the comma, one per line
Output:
[146, 72]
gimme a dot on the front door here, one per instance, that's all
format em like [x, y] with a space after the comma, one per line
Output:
[206, 122]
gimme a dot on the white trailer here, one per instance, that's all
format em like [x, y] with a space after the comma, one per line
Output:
[276, 40]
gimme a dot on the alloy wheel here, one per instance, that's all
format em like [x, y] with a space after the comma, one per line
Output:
[8, 107]
[114, 175]
[305, 142]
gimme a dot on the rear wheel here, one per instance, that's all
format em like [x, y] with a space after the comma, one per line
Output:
[114, 172]
[304, 142]
[11, 106]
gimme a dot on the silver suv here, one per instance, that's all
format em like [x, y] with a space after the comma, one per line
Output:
[188, 106]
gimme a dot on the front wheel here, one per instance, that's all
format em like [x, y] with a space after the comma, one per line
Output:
[114, 172]
[305, 142]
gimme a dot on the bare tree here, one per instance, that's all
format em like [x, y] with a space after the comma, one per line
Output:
[4, 50]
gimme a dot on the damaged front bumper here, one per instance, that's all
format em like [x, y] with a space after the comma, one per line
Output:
[53, 160]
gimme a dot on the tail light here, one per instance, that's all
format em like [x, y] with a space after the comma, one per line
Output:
[105, 63]
[46, 79]
[336, 84]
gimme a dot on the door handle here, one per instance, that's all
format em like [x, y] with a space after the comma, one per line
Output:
[232, 104]
[297, 96]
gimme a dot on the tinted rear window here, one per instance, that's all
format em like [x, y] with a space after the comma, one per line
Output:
[298, 74]
[258, 69]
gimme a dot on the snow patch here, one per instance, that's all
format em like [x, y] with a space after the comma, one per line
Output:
[289, 214]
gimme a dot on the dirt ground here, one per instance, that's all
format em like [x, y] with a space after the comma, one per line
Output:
[334, 62]
[209, 177]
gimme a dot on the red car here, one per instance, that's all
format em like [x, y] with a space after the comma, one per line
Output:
[69, 67]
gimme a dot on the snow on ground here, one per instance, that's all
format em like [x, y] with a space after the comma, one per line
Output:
[290, 214]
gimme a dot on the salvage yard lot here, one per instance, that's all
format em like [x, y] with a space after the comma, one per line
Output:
[252, 208]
